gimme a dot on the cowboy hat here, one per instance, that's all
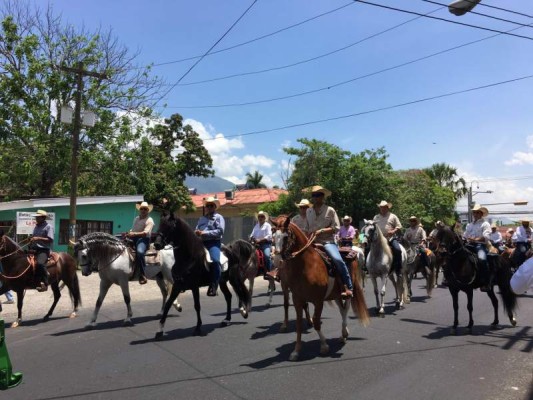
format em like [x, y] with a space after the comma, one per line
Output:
[211, 200]
[493, 225]
[413, 218]
[144, 204]
[439, 224]
[320, 189]
[303, 203]
[40, 213]
[262, 213]
[524, 220]
[510, 230]
[347, 218]
[384, 203]
[478, 207]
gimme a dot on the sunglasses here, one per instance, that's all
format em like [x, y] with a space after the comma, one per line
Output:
[261, 217]
[143, 209]
[210, 205]
[317, 194]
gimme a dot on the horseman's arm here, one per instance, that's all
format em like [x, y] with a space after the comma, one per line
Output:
[218, 230]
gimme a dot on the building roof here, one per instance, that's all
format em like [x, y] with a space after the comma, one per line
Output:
[65, 201]
[242, 197]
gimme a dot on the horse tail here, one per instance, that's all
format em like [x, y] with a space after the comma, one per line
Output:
[503, 279]
[358, 303]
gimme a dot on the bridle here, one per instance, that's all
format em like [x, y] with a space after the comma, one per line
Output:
[289, 243]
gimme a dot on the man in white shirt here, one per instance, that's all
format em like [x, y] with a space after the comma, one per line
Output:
[496, 238]
[391, 227]
[477, 234]
[522, 240]
[522, 279]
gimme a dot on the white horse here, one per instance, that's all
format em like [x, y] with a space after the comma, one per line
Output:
[103, 253]
[379, 265]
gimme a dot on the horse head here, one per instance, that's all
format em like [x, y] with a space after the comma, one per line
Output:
[370, 230]
[81, 252]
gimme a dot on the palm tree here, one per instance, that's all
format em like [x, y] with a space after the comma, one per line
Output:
[446, 176]
[253, 181]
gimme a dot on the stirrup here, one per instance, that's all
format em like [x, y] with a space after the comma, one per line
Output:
[211, 291]
[347, 293]
[42, 287]
[142, 280]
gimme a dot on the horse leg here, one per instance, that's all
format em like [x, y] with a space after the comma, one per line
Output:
[171, 299]
[124, 285]
[251, 291]
[57, 295]
[270, 291]
[227, 297]
[307, 316]
[298, 306]
[494, 301]
[164, 292]
[455, 300]
[104, 287]
[379, 310]
[20, 298]
[469, 306]
[410, 277]
[285, 323]
[176, 304]
[196, 297]
[324, 348]
[343, 308]
[73, 286]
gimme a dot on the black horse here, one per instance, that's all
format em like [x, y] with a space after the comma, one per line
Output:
[190, 271]
[462, 273]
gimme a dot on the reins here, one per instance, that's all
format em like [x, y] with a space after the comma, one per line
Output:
[309, 243]
[18, 250]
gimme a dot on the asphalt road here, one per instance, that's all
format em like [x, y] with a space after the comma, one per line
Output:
[409, 354]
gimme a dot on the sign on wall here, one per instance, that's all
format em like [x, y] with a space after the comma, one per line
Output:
[26, 222]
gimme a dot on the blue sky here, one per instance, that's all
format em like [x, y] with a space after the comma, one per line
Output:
[487, 134]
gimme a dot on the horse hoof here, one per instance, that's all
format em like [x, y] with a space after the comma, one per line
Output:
[283, 328]
[89, 326]
[267, 305]
[159, 336]
[15, 324]
[244, 313]
[294, 356]
[513, 322]
[73, 315]
[177, 306]
[225, 323]
[127, 322]
[408, 301]
[46, 318]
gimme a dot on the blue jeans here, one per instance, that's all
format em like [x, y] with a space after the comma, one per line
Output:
[213, 247]
[342, 269]
[141, 244]
[266, 248]
[9, 295]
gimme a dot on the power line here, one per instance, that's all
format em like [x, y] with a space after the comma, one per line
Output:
[207, 52]
[257, 38]
[481, 14]
[441, 19]
[502, 9]
[375, 110]
[309, 59]
[343, 82]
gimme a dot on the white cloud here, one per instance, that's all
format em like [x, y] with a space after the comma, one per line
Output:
[520, 158]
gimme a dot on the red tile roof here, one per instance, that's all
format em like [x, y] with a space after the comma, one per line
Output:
[242, 197]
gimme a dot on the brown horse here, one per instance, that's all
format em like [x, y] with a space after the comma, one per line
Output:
[19, 274]
[307, 278]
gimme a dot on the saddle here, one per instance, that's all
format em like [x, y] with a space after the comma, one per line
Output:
[347, 254]
[53, 258]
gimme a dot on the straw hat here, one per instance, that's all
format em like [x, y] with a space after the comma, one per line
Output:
[413, 218]
[510, 230]
[439, 224]
[303, 203]
[40, 213]
[493, 225]
[211, 200]
[144, 204]
[478, 207]
[384, 203]
[262, 213]
[347, 218]
[320, 189]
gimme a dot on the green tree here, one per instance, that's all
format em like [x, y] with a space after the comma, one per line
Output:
[446, 176]
[255, 180]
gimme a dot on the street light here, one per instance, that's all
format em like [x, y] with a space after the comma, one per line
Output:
[461, 7]
[471, 194]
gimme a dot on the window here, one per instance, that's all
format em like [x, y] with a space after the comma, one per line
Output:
[83, 227]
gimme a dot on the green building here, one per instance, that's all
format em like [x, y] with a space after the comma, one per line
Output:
[111, 214]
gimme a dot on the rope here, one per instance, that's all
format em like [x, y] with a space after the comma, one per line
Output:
[309, 243]
[18, 276]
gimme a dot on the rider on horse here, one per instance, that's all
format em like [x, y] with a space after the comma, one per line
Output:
[323, 221]
[347, 232]
[41, 243]
[261, 236]
[210, 229]
[391, 227]
[415, 235]
[522, 239]
[496, 238]
[477, 234]
[140, 234]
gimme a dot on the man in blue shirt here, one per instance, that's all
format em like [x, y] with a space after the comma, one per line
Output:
[210, 229]
[41, 243]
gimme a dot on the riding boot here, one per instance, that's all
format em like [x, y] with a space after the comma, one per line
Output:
[142, 274]
[215, 276]
[212, 290]
[42, 279]
[272, 275]
[485, 287]
[347, 293]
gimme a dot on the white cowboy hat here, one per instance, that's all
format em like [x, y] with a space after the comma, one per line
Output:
[262, 213]
[320, 189]
[478, 207]
[303, 203]
[144, 204]
[347, 218]
[510, 230]
[211, 200]
[413, 218]
[384, 203]
[439, 224]
[493, 225]
[40, 213]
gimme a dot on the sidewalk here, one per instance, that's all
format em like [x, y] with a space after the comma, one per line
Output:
[36, 304]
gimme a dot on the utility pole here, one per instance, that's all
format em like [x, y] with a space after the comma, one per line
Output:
[80, 74]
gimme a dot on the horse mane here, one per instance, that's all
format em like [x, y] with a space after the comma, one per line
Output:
[103, 246]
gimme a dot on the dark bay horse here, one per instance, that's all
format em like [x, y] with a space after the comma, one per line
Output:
[307, 278]
[190, 271]
[462, 274]
[18, 275]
